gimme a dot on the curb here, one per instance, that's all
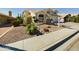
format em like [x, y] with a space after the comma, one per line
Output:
[68, 45]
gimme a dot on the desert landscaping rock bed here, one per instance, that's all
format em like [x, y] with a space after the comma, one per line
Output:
[51, 28]
[16, 34]
[3, 29]
[19, 33]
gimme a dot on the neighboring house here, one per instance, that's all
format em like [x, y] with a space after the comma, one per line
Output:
[61, 20]
[63, 15]
[5, 19]
[47, 16]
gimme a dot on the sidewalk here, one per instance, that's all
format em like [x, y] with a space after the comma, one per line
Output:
[44, 41]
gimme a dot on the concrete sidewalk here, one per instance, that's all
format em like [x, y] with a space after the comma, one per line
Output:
[43, 42]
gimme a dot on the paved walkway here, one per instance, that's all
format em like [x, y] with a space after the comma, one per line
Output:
[42, 42]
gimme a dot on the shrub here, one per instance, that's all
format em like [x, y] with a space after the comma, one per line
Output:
[31, 28]
[67, 18]
[48, 26]
[19, 18]
[16, 23]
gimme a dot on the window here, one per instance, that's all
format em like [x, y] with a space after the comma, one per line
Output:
[41, 15]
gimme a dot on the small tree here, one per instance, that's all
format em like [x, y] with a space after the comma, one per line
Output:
[26, 14]
[29, 23]
[67, 18]
[18, 21]
[29, 20]
[73, 19]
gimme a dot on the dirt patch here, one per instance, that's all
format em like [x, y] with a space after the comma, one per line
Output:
[44, 28]
[19, 33]
[16, 34]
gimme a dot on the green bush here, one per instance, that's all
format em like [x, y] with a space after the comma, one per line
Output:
[16, 23]
[19, 19]
[31, 28]
[69, 18]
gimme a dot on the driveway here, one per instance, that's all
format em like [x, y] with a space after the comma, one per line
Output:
[75, 46]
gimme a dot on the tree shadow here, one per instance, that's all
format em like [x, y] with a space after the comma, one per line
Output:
[5, 25]
[37, 33]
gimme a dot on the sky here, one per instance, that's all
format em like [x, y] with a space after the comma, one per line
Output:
[16, 11]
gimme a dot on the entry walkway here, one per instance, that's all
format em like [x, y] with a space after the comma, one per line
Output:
[43, 42]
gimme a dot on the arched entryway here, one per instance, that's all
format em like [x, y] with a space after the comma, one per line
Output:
[41, 17]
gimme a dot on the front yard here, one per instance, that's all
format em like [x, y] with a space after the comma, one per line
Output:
[3, 29]
[16, 34]
[19, 33]
[45, 28]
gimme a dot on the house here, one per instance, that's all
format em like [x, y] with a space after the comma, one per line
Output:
[4, 19]
[47, 16]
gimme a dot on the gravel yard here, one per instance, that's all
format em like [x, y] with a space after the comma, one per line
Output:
[16, 34]
[19, 33]
[3, 29]
[51, 28]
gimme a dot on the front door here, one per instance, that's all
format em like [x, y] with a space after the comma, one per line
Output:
[41, 17]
